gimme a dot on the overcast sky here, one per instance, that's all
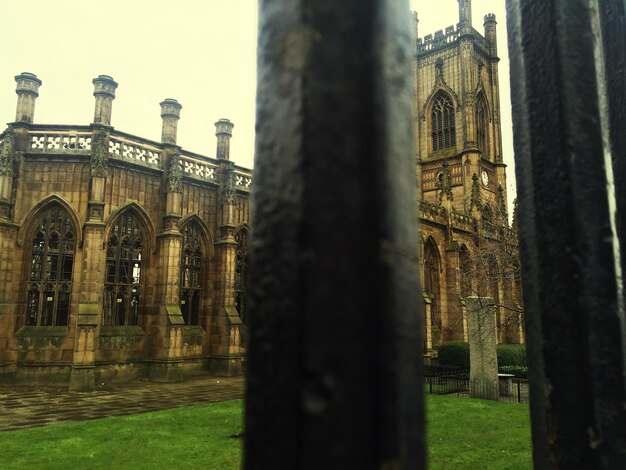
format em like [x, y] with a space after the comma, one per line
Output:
[200, 52]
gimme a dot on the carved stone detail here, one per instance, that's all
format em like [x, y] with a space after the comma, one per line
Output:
[501, 205]
[99, 154]
[431, 60]
[466, 46]
[8, 156]
[475, 197]
[228, 196]
[444, 182]
[175, 174]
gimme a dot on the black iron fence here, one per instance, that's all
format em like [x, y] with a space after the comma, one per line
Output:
[456, 382]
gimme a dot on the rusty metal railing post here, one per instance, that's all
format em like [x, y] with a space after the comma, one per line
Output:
[334, 350]
[569, 238]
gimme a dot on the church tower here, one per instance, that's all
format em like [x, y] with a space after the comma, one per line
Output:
[458, 117]
[467, 246]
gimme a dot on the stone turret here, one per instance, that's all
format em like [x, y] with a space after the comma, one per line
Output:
[490, 33]
[27, 92]
[465, 15]
[104, 91]
[223, 131]
[170, 113]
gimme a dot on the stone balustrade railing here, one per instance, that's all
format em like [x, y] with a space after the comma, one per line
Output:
[125, 147]
[59, 140]
[198, 167]
[243, 180]
[433, 212]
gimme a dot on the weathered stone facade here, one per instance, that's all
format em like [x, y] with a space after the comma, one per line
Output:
[468, 248]
[118, 255]
[122, 257]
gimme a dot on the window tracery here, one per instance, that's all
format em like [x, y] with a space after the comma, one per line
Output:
[51, 266]
[431, 279]
[443, 123]
[122, 285]
[241, 273]
[191, 274]
[481, 123]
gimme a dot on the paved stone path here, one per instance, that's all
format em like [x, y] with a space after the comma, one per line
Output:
[27, 407]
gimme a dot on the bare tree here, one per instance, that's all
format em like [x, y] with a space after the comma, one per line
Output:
[491, 269]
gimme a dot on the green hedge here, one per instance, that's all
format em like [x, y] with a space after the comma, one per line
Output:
[519, 371]
[511, 355]
[454, 353]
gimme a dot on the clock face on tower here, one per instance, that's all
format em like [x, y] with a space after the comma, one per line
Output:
[484, 177]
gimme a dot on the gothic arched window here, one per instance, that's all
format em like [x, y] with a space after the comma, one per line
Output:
[122, 284]
[51, 265]
[431, 279]
[481, 123]
[241, 273]
[191, 274]
[442, 123]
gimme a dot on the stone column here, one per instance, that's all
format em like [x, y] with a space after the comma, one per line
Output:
[482, 340]
[13, 142]
[27, 92]
[167, 327]
[104, 91]
[223, 131]
[225, 325]
[94, 264]
[8, 164]
[170, 113]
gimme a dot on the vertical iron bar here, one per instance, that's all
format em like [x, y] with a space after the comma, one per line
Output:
[334, 370]
[612, 25]
[567, 243]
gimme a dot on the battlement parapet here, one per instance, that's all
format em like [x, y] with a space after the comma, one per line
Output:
[442, 39]
[439, 40]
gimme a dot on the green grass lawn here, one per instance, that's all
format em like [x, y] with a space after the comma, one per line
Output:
[462, 433]
[465, 433]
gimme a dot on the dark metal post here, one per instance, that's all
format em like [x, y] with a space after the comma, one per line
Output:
[613, 32]
[570, 248]
[335, 338]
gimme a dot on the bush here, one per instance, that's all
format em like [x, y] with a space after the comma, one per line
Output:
[454, 353]
[520, 372]
[511, 355]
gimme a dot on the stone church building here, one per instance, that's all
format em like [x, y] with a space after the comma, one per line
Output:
[123, 257]
[467, 246]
